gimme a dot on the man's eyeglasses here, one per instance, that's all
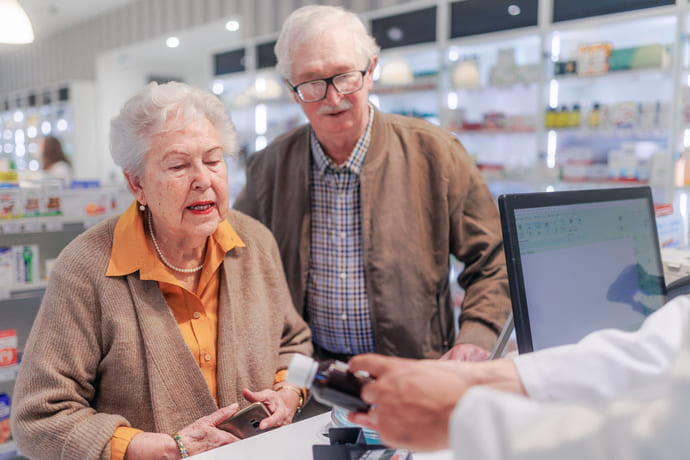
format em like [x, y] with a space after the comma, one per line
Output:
[344, 83]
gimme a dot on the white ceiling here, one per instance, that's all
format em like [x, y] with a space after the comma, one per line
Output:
[50, 16]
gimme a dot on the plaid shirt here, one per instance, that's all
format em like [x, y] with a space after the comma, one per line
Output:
[336, 299]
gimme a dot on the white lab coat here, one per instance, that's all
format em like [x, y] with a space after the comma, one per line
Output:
[621, 396]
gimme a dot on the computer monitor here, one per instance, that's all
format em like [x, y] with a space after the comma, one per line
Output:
[579, 261]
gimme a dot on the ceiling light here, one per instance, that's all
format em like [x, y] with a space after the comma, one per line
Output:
[395, 34]
[172, 42]
[15, 26]
[218, 88]
[232, 25]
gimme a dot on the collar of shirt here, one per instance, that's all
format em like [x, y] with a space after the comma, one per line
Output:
[354, 162]
[131, 252]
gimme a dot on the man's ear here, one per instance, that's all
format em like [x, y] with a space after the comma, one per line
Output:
[372, 66]
[135, 188]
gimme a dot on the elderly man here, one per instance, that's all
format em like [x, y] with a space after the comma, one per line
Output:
[367, 207]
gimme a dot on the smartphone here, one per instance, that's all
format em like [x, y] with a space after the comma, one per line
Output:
[245, 423]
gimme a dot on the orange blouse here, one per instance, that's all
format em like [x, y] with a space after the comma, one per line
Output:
[196, 312]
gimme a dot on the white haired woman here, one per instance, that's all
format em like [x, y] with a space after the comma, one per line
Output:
[159, 324]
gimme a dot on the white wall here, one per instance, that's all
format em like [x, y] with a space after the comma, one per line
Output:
[119, 74]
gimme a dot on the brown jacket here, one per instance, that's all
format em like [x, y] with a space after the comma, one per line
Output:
[422, 199]
[106, 351]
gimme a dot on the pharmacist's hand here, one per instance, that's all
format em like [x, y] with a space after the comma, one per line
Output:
[282, 404]
[411, 401]
[197, 437]
[466, 352]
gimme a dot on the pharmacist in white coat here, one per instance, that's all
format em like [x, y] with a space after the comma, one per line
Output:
[613, 395]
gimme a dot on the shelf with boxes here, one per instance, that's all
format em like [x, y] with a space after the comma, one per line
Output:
[526, 97]
[406, 82]
[491, 99]
[610, 94]
[38, 217]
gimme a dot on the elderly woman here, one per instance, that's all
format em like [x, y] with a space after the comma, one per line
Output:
[157, 325]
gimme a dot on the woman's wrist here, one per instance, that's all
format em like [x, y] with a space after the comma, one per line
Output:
[284, 386]
[153, 445]
[180, 445]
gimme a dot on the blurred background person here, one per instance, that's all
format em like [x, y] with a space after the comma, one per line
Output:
[164, 319]
[55, 162]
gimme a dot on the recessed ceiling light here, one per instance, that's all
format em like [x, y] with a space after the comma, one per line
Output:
[395, 34]
[514, 10]
[232, 25]
[218, 88]
[172, 42]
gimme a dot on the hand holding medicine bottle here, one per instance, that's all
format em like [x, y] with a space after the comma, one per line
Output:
[408, 398]
[331, 382]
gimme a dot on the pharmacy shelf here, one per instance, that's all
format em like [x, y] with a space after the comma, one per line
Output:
[49, 224]
[23, 291]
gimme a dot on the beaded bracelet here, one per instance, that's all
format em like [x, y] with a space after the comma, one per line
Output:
[180, 445]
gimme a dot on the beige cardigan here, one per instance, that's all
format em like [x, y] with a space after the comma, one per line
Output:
[106, 351]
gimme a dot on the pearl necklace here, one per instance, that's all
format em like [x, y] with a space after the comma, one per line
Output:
[162, 257]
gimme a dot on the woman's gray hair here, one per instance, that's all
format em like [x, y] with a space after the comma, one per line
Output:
[308, 22]
[146, 113]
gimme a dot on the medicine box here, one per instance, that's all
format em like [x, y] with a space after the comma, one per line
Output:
[10, 200]
[26, 263]
[8, 347]
[7, 275]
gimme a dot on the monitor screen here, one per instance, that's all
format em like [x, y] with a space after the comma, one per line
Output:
[583, 265]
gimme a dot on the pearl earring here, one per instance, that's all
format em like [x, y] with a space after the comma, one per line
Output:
[142, 207]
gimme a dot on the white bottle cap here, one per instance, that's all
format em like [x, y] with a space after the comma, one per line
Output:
[301, 371]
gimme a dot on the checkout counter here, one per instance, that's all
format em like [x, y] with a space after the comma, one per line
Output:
[290, 442]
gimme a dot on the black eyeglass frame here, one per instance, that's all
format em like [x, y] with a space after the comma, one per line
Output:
[329, 81]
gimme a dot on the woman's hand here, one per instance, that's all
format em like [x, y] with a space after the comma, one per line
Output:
[198, 437]
[282, 404]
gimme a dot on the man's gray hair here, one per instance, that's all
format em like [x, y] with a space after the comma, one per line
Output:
[146, 113]
[308, 22]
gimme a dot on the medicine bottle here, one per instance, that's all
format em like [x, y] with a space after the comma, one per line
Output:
[593, 120]
[574, 117]
[331, 382]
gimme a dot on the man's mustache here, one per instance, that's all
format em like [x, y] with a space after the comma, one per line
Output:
[328, 109]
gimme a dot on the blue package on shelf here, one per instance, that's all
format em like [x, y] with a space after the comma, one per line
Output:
[85, 184]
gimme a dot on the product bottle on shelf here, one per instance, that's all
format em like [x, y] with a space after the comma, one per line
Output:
[550, 118]
[331, 382]
[593, 120]
[574, 117]
[562, 117]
